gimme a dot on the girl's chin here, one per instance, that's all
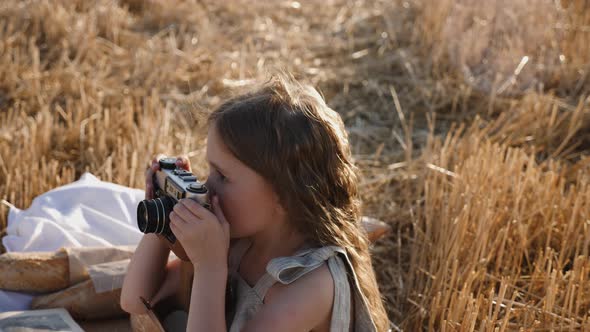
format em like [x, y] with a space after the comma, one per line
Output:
[234, 233]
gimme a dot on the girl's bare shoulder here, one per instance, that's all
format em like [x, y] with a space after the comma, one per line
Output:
[304, 304]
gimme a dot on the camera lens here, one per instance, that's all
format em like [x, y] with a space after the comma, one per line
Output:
[153, 215]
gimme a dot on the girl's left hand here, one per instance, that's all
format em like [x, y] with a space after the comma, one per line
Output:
[203, 234]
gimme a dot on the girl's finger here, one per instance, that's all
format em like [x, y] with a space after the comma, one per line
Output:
[153, 166]
[195, 208]
[149, 192]
[176, 230]
[182, 211]
[220, 216]
[175, 218]
[149, 171]
[183, 162]
[218, 211]
[177, 226]
[156, 161]
[149, 187]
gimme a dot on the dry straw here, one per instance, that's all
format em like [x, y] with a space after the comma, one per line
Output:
[469, 122]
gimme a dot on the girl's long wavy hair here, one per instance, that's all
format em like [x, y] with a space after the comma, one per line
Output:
[285, 132]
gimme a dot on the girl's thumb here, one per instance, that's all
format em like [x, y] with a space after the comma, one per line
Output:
[219, 212]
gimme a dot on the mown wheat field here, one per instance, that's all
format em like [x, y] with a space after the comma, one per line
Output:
[469, 121]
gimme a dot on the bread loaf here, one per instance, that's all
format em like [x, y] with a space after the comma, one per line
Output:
[35, 272]
[82, 302]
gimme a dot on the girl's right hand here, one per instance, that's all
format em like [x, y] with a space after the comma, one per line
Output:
[181, 162]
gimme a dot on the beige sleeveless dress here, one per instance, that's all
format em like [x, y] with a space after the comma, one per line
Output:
[248, 300]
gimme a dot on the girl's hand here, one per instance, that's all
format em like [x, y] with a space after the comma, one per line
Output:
[204, 234]
[181, 162]
[149, 176]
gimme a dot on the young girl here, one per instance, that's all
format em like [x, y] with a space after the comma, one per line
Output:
[284, 190]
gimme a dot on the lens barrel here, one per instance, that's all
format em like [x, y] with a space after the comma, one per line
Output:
[153, 215]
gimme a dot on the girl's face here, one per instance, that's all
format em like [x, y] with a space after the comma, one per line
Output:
[248, 201]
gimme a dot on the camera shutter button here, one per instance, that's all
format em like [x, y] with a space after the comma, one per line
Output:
[197, 188]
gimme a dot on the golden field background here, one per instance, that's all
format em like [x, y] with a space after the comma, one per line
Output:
[469, 120]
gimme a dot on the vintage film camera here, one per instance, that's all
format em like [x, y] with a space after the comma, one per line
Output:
[170, 185]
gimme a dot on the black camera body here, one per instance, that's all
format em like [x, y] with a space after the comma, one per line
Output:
[171, 184]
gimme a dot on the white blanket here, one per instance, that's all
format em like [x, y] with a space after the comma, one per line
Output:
[85, 213]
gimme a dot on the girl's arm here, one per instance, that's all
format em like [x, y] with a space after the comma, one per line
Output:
[145, 273]
[207, 308]
[148, 268]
